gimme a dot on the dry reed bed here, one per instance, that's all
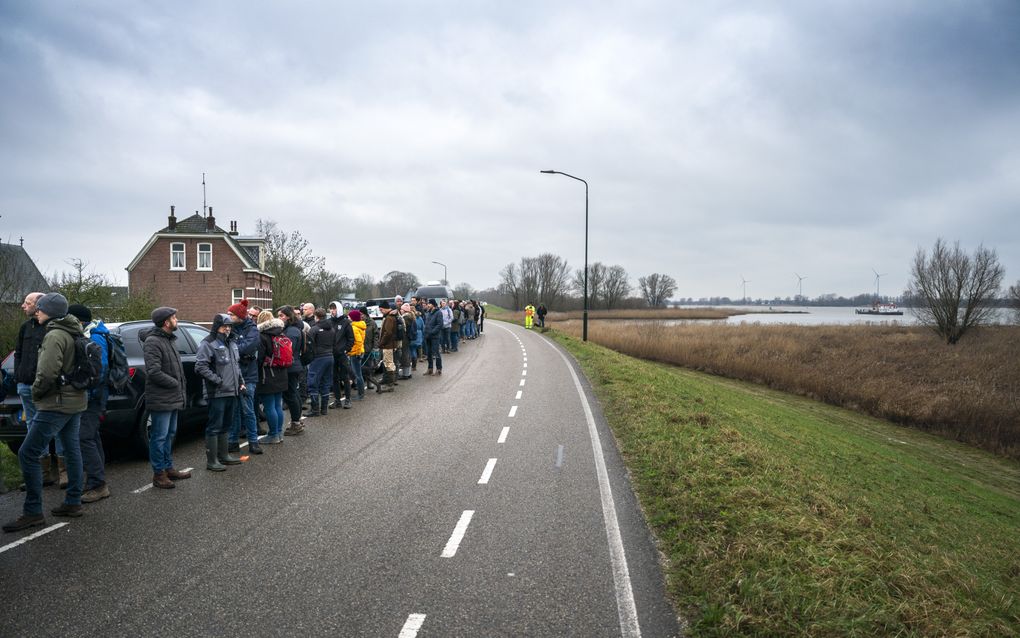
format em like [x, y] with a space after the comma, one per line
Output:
[969, 392]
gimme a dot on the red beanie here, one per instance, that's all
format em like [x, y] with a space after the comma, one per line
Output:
[239, 309]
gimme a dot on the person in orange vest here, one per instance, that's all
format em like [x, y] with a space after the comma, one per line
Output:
[529, 316]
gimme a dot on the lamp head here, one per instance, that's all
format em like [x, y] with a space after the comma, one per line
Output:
[547, 171]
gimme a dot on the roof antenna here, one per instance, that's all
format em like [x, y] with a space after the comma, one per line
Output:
[205, 209]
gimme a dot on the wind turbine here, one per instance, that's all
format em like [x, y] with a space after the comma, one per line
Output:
[800, 287]
[878, 281]
[744, 282]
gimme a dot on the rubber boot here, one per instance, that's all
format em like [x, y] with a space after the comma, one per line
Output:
[324, 407]
[211, 462]
[223, 455]
[314, 411]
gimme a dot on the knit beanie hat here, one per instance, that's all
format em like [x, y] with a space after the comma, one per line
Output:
[219, 321]
[239, 309]
[53, 304]
[354, 315]
[384, 305]
[82, 312]
[433, 302]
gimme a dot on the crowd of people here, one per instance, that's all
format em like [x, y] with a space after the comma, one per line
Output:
[254, 364]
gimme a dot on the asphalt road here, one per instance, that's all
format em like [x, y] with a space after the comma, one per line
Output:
[471, 504]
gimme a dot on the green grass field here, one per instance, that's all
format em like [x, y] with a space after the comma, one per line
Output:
[782, 516]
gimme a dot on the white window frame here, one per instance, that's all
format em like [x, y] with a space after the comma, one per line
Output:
[236, 295]
[200, 254]
[183, 252]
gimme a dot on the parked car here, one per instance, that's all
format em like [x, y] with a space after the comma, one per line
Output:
[126, 415]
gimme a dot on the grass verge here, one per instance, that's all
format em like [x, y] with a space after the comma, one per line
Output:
[10, 469]
[782, 516]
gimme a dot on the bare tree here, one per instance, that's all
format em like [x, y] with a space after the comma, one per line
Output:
[290, 260]
[464, 290]
[397, 282]
[365, 286]
[597, 273]
[510, 284]
[1014, 300]
[950, 282]
[530, 280]
[656, 289]
[553, 279]
[616, 287]
[326, 286]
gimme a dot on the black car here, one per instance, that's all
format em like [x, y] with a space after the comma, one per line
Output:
[126, 416]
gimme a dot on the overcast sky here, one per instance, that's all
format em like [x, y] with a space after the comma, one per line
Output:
[720, 140]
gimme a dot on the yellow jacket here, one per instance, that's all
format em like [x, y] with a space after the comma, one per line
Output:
[359, 338]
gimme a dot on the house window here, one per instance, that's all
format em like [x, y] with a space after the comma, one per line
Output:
[205, 256]
[236, 295]
[177, 256]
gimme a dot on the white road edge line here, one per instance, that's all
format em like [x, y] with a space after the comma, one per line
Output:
[22, 541]
[142, 489]
[412, 625]
[458, 534]
[503, 434]
[487, 472]
[625, 606]
[513, 411]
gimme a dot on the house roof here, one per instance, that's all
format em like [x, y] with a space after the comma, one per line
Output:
[18, 274]
[196, 226]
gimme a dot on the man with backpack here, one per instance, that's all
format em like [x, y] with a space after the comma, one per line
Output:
[92, 456]
[59, 405]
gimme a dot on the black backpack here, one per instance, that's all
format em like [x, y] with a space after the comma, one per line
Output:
[87, 370]
[117, 375]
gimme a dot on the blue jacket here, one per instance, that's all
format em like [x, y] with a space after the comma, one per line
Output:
[434, 324]
[246, 336]
[97, 332]
[419, 334]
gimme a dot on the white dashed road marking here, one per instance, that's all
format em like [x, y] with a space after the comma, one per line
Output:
[487, 472]
[513, 411]
[519, 393]
[503, 435]
[522, 381]
[22, 541]
[458, 534]
[411, 627]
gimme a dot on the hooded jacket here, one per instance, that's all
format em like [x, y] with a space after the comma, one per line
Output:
[246, 336]
[271, 380]
[296, 332]
[165, 384]
[98, 333]
[320, 338]
[359, 329]
[218, 363]
[26, 350]
[56, 357]
[344, 333]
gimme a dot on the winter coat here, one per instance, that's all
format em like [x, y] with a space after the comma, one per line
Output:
[419, 331]
[271, 380]
[447, 314]
[388, 332]
[344, 334]
[246, 336]
[371, 335]
[26, 350]
[358, 349]
[433, 324]
[410, 328]
[165, 384]
[98, 333]
[218, 363]
[321, 338]
[56, 357]
[458, 318]
[297, 337]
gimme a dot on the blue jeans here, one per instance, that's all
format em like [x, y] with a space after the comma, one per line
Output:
[454, 338]
[472, 329]
[320, 377]
[161, 439]
[272, 404]
[221, 415]
[45, 426]
[359, 380]
[444, 338]
[245, 416]
[432, 351]
[28, 408]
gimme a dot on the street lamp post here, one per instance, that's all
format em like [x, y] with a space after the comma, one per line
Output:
[584, 324]
[445, 280]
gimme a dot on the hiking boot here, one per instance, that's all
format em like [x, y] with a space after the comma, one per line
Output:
[429, 373]
[162, 481]
[234, 448]
[293, 429]
[177, 475]
[96, 494]
[255, 448]
[346, 405]
[439, 372]
[66, 509]
[315, 407]
[24, 522]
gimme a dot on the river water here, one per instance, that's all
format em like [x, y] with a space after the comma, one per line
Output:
[827, 315]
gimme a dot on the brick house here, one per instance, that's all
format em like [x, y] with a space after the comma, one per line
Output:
[200, 269]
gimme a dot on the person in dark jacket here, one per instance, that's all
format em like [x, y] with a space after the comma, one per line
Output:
[294, 329]
[433, 337]
[272, 376]
[343, 375]
[92, 455]
[388, 341]
[218, 363]
[165, 394]
[59, 408]
[245, 334]
[26, 354]
[320, 371]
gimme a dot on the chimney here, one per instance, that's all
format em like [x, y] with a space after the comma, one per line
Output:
[233, 228]
[210, 222]
[171, 221]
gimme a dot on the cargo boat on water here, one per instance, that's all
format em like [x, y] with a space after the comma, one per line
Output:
[880, 309]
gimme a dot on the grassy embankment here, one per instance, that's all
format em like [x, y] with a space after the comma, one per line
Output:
[969, 392]
[780, 516]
